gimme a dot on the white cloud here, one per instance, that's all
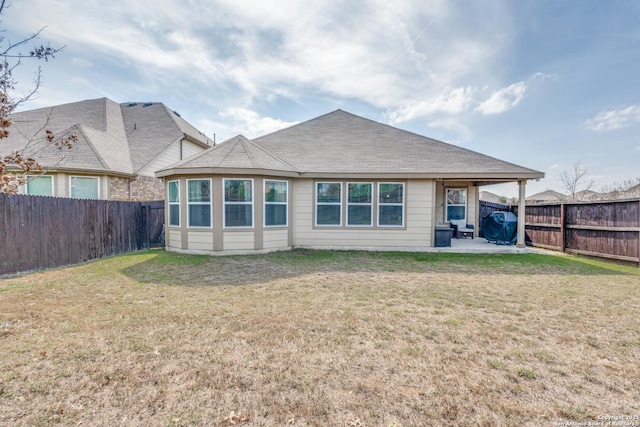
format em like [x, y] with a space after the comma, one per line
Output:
[234, 121]
[503, 99]
[451, 101]
[614, 119]
[553, 166]
[416, 59]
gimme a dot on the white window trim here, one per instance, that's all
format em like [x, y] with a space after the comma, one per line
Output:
[403, 204]
[285, 203]
[174, 203]
[210, 203]
[328, 203]
[83, 176]
[30, 177]
[360, 204]
[225, 203]
[446, 202]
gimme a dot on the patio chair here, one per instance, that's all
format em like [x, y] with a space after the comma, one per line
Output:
[461, 229]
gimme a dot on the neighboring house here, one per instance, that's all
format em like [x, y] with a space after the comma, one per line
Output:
[547, 196]
[336, 181]
[490, 197]
[119, 148]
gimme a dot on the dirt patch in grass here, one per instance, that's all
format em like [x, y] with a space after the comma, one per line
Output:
[320, 338]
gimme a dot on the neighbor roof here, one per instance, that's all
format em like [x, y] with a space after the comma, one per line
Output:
[112, 138]
[343, 145]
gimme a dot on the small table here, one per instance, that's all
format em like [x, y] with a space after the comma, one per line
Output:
[443, 237]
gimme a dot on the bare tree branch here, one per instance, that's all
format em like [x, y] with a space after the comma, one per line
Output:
[15, 167]
[576, 181]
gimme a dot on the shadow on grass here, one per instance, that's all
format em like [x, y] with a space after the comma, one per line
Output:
[203, 270]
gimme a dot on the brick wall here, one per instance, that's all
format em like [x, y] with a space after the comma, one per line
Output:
[140, 189]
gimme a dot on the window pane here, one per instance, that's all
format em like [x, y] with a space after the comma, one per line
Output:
[199, 190]
[275, 191]
[275, 215]
[455, 212]
[238, 216]
[328, 215]
[84, 187]
[40, 186]
[174, 214]
[456, 197]
[174, 191]
[328, 192]
[359, 193]
[390, 215]
[359, 215]
[391, 193]
[199, 215]
[237, 190]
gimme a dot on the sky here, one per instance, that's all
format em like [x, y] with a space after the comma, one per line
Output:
[543, 84]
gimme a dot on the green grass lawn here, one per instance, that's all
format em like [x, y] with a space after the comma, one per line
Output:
[321, 338]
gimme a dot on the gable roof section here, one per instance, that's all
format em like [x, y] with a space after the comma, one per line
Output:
[237, 155]
[344, 144]
[151, 127]
[112, 138]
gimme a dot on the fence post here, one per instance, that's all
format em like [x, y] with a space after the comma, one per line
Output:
[562, 227]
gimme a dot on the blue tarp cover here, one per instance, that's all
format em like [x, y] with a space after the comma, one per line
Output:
[500, 227]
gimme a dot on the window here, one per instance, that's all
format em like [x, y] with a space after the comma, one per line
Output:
[84, 187]
[238, 203]
[199, 202]
[390, 204]
[275, 203]
[174, 203]
[329, 203]
[456, 204]
[40, 185]
[359, 204]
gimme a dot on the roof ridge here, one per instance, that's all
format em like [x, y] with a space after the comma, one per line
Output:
[90, 144]
[232, 148]
[264, 150]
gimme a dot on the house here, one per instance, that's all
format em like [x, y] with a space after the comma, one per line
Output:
[118, 149]
[547, 196]
[490, 197]
[337, 181]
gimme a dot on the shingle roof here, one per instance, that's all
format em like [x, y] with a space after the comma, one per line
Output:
[343, 144]
[236, 153]
[112, 137]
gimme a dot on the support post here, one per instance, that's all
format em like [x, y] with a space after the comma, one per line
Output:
[521, 213]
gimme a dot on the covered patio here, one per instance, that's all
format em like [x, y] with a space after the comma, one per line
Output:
[479, 245]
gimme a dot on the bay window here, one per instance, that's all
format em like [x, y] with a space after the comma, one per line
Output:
[275, 203]
[238, 203]
[198, 202]
[173, 191]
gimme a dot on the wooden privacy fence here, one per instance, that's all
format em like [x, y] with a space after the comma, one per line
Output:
[603, 229]
[42, 232]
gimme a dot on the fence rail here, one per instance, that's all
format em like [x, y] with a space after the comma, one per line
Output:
[42, 232]
[603, 229]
